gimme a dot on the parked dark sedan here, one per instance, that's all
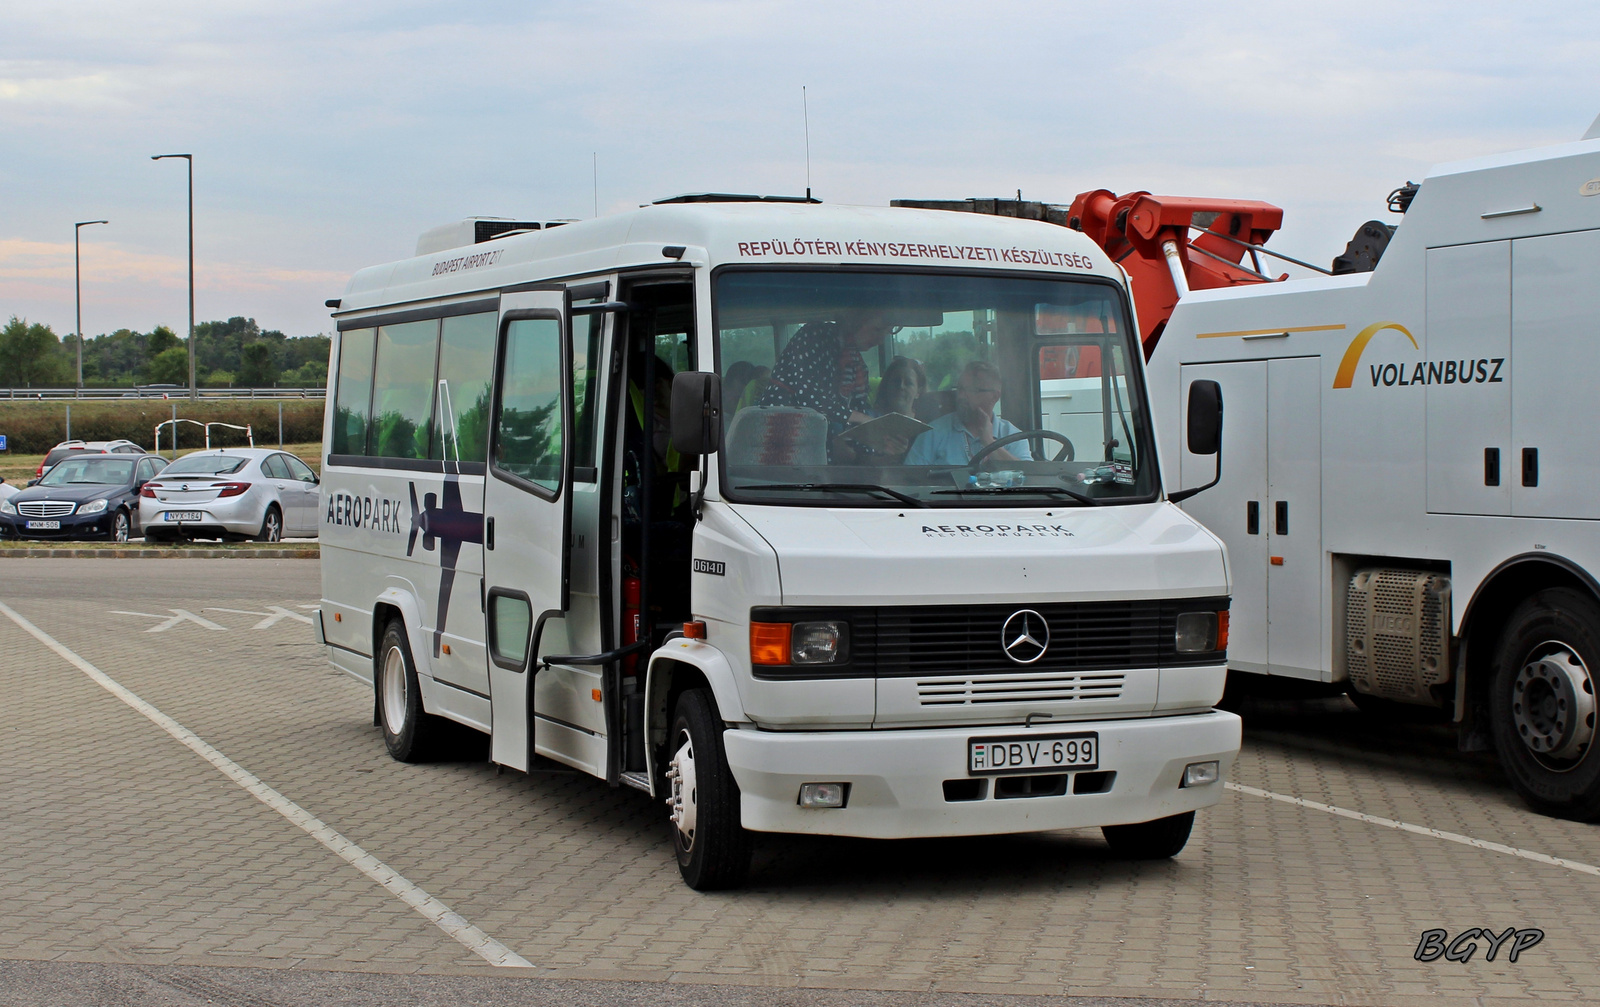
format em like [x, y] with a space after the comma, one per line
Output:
[85, 496]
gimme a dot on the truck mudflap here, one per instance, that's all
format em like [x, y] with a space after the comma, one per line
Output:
[918, 783]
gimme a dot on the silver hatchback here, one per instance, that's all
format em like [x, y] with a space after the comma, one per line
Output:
[232, 494]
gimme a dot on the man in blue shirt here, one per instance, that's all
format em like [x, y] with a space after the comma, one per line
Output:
[957, 436]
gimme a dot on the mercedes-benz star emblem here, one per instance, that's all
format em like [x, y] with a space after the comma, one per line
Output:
[1025, 636]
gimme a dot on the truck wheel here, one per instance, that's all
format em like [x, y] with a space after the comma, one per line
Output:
[713, 848]
[1157, 840]
[410, 733]
[1542, 703]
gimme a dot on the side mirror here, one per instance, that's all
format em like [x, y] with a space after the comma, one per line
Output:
[1205, 417]
[697, 412]
[1205, 431]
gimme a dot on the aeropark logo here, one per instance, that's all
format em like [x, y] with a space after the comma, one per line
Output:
[1391, 374]
[374, 513]
[995, 531]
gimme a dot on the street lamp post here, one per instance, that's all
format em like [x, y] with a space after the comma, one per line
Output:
[77, 287]
[189, 158]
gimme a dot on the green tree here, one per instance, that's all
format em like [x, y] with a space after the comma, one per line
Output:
[256, 369]
[160, 340]
[169, 367]
[31, 355]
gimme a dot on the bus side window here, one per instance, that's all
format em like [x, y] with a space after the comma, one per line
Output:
[529, 434]
[585, 388]
[466, 359]
[353, 396]
[402, 388]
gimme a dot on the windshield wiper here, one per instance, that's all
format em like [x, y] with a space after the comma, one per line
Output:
[905, 498]
[1047, 490]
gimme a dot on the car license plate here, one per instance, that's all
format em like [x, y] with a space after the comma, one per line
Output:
[44, 525]
[185, 515]
[1031, 753]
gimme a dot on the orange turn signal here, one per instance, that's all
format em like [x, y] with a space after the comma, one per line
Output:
[694, 630]
[446, 649]
[769, 642]
[596, 694]
[1222, 630]
[337, 617]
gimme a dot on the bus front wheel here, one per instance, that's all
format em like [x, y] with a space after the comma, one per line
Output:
[1157, 840]
[713, 847]
[1543, 703]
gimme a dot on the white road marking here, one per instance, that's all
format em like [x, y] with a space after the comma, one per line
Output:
[274, 615]
[1390, 823]
[491, 950]
[179, 615]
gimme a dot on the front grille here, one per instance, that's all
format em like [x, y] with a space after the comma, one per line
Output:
[46, 508]
[976, 691]
[962, 641]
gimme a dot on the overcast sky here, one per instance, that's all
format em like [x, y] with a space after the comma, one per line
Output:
[327, 136]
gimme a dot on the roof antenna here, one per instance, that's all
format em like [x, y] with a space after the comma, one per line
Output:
[805, 110]
[595, 156]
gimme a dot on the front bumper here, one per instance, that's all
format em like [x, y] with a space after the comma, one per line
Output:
[73, 527]
[897, 778]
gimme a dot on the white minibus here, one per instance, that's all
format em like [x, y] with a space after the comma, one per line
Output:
[799, 518]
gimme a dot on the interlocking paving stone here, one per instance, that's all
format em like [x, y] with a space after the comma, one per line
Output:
[122, 846]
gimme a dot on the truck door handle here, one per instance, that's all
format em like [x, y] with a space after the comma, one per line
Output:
[488, 533]
[1280, 518]
[1491, 466]
[1530, 466]
[1252, 517]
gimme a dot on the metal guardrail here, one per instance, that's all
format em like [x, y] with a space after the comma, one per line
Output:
[162, 392]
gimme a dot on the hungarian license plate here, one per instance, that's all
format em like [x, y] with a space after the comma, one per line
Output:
[185, 515]
[1032, 753]
[44, 525]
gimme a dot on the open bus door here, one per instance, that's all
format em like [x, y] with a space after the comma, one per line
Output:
[527, 508]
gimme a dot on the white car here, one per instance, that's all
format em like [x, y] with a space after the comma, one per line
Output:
[65, 448]
[233, 494]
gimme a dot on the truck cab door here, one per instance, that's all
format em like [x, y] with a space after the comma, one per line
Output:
[527, 508]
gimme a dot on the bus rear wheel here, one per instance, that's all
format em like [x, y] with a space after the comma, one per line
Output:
[409, 732]
[713, 847]
[1543, 704]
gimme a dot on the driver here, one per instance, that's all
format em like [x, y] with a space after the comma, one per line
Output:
[957, 436]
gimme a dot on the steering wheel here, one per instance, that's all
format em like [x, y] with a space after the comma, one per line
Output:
[1066, 454]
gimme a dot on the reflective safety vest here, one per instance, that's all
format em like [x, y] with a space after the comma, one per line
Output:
[674, 461]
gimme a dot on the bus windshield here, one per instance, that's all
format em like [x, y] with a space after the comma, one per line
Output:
[871, 388]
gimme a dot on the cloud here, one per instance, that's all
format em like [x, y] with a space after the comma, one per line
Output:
[326, 137]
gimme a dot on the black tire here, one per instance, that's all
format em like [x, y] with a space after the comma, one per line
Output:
[409, 732]
[121, 527]
[156, 538]
[271, 525]
[1545, 733]
[715, 854]
[1157, 840]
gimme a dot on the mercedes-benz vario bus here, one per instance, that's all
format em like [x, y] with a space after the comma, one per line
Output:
[806, 519]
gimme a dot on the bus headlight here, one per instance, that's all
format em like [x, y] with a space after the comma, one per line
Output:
[819, 642]
[1198, 632]
[783, 643]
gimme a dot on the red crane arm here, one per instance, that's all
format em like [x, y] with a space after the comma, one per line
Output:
[1135, 229]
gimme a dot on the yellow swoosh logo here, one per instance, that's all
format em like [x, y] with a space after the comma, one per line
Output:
[1352, 356]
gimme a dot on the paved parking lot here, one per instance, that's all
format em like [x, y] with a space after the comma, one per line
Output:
[135, 867]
